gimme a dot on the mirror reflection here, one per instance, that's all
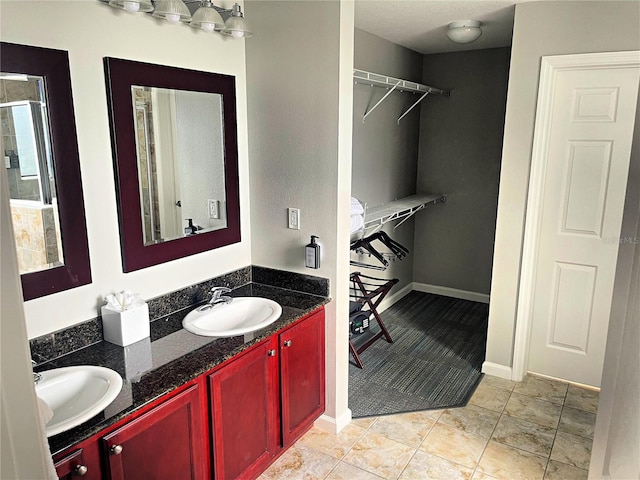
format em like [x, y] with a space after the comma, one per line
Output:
[180, 149]
[30, 170]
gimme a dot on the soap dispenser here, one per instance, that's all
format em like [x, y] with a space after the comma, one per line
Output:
[312, 254]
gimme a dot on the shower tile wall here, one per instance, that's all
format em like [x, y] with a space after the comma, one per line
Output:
[37, 239]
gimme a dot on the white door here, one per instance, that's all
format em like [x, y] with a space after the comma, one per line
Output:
[583, 139]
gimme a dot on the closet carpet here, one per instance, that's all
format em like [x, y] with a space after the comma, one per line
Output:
[434, 362]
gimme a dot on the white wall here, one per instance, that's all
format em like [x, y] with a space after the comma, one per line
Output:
[616, 442]
[541, 28]
[89, 31]
[300, 101]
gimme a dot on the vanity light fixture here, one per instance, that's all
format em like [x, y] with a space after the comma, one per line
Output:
[207, 16]
[464, 31]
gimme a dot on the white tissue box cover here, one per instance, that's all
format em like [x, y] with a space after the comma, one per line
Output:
[127, 326]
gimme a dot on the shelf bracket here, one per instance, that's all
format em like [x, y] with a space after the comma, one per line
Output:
[412, 106]
[380, 101]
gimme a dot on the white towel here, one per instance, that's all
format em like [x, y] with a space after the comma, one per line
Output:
[357, 223]
[44, 410]
[45, 413]
[356, 207]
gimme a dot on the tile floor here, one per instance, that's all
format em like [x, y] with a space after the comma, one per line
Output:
[537, 429]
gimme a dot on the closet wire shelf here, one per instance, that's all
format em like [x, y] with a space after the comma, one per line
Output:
[393, 84]
[404, 208]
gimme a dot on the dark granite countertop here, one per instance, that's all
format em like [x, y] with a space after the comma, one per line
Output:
[170, 358]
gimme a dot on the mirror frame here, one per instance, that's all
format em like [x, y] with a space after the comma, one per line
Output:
[53, 66]
[121, 75]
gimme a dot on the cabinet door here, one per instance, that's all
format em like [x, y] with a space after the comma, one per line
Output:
[78, 464]
[165, 442]
[244, 412]
[302, 375]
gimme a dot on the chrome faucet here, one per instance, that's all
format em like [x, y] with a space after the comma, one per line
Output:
[217, 298]
[36, 376]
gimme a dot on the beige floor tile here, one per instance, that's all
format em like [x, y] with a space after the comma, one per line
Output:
[454, 444]
[380, 455]
[471, 419]
[424, 466]
[345, 471]
[533, 410]
[508, 463]
[482, 476]
[542, 389]
[582, 399]
[561, 471]
[335, 445]
[524, 435]
[490, 397]
[364, 422]
[577, 422]
[407, 428]
[300, 463]
[572, 449]
[498, 382]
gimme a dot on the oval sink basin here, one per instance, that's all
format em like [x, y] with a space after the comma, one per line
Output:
[76, 394]
[242, 315]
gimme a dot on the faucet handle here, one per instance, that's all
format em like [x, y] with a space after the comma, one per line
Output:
[217, 291]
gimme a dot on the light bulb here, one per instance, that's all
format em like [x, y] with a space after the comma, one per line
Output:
[131, 7]
[172, 18]
[236, 34]
[207, 27]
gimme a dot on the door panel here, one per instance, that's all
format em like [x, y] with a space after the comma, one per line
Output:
[244, 413]
[165, 442]
[589, 135]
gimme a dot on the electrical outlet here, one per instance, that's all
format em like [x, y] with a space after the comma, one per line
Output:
[214, 209]
[294, 218]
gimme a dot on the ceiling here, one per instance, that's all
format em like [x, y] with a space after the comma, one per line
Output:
[421, 25]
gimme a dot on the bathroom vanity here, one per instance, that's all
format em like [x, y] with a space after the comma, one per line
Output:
[206, 407]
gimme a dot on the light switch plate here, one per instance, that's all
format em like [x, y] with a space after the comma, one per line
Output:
[293, 218]
[214, 209]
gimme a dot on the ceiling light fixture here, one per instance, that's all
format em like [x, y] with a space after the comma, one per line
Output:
[207, 16]
[464, 31]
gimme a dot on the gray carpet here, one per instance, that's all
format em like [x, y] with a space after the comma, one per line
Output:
[434, 362]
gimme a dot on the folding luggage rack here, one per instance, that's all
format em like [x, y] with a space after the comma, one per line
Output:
[367, 292]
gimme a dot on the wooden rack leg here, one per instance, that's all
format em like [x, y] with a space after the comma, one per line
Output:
[355, 355]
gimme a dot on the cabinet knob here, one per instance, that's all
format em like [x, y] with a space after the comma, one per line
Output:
[116, 449]
[80, 470]
[271, 353]
[287, 343]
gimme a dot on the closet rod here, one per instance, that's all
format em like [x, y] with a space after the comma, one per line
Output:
[377, 80]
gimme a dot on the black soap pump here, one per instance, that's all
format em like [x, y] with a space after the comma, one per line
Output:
[312, 254]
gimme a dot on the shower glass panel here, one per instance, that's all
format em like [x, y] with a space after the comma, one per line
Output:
[30, 171]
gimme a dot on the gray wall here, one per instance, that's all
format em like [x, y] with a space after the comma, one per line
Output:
[460, 152]
[299, 117]
[541, 28]
[385, 154]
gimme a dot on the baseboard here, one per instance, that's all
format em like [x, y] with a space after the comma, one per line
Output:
[496, 370]
[334, 425]
[451, 292]
[394, 297]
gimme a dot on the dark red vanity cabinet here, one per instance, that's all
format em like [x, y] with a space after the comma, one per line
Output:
[249, 409]
[302, 375]
[267, 398]
[165, 442]
[244, 410]
[80, 463]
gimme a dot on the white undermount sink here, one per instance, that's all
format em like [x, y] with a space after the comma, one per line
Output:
[240, 316]
[76, 394]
